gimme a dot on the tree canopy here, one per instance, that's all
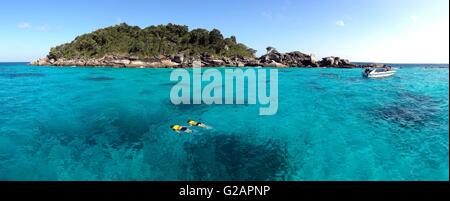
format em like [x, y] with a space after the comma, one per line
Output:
[151, 42]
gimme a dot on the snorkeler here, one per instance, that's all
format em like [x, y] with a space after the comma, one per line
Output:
[199, 124]
[178, 129]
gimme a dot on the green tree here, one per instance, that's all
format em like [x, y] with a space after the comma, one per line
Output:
[149, 42]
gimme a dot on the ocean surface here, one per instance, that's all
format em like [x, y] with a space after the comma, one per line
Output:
[114, 124]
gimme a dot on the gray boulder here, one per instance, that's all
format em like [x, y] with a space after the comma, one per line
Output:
[41, 62]
[327, 61]
[179, 58]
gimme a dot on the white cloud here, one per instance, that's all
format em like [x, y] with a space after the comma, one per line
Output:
[42, 28]
[268, 15]
[24, 25]
[340, 23]
[414, 18]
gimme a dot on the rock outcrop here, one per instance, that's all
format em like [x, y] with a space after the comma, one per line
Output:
[42, 62]
[176, 61]
[291, 59]
[273, 58]
[336, 62]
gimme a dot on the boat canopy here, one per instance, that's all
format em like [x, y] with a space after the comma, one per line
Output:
[380, 70]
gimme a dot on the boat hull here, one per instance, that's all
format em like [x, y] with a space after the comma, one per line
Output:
[379, 74]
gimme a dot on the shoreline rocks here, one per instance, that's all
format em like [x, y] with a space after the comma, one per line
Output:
[336, 62]
[273, 58]
[291, 59]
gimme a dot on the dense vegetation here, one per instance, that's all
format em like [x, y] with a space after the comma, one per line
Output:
[151, 42]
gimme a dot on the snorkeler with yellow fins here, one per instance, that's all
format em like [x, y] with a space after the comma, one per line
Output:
[178, 128]
[199, 124]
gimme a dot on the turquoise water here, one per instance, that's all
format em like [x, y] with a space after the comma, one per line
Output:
[113, 124]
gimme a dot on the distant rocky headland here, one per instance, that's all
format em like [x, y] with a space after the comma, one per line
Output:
[170, 45]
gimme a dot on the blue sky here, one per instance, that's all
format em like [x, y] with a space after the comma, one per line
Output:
[412, 31]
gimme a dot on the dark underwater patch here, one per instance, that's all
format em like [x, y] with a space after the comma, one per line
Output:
[230, 157]
[403, 115]
[410, 110]
[187, 108]
[145, 92]
[131, 131]
[316, 87]
[18, 75]
[330, 75]
[120, 130]
[417, 98]
[190, 108]
[175, 83]
[99, 78]
[285, 70]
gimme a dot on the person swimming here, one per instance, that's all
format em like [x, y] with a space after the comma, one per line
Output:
[199, 124]
[178, 129]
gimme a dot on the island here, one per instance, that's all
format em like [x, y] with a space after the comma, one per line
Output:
[173, 46]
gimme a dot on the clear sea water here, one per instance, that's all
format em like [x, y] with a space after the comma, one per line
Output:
[332, 124]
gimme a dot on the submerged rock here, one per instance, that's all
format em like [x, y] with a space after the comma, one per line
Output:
[410, 110]
[230, 157]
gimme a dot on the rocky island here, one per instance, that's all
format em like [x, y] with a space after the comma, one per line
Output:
[172, 45]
